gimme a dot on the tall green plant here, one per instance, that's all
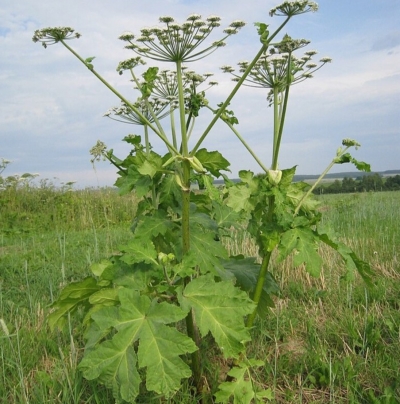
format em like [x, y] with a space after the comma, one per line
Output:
[176, 268]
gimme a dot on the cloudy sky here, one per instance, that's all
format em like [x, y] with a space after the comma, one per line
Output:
[52, 108]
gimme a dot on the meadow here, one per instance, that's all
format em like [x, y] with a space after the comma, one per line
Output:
[326, 340]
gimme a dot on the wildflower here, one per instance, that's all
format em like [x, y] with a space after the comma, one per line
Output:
[227, 69]
[98, 151]
[237, 24]
[49, 36]
[289, 45]
[166, 20]
[126, 36]
[291, 8]
[213, 18]
[272, 70]
[179, 42]
[130, 64]
[194, 17]
[311, 52]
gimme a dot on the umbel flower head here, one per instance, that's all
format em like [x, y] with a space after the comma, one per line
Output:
[124, 113]
[166, 83]
[272, 71]
[179, 42]
[291, 8]
[98, 151]
[130, 64]
[50, 36]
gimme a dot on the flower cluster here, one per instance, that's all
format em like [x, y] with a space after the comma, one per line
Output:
[179, 42]
[124, 113]
[98, 151]
[166, 83]
[289, 45]
[272, 71]
[50, 36]
[130, 64]
[291, 8]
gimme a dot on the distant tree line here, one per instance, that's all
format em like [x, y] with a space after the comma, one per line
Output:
[372, 182]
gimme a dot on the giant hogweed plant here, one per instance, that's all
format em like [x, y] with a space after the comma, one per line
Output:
[147, 308]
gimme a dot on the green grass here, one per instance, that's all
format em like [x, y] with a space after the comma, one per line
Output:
[326, 341]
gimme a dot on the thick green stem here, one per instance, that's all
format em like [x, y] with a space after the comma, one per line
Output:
[263, 270]
[282, 116]
[259, 287]
[173, 130]
[276, 124]
[181, 98]
[191, 327]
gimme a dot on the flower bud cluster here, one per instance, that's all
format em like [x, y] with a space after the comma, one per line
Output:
[166, 83]
[350, 142]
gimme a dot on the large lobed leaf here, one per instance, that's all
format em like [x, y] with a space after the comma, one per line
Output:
[72, 296]
[242, 388]
[115, 362]
[219, 308]
[304, 243]
[352, 261]
[213, 161]
[207, 250]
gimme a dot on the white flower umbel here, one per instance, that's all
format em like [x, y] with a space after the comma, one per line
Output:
[124, 113]
[271, 71]
[179, 42]
[291, 8]
[50, 36]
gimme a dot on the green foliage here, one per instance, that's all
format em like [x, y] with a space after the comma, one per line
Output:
[175, 268]
[242, 388]
[138, 319]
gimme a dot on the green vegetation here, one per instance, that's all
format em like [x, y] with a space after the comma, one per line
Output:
[176, 265]
[326, 341]
[173, 314]
[368, 182]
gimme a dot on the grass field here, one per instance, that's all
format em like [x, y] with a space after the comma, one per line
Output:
[326, 341]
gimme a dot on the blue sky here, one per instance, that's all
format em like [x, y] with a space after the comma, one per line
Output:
[52, 108]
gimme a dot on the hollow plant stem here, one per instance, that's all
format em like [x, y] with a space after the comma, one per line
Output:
[259, 287]
[262, 276]
[191, 327]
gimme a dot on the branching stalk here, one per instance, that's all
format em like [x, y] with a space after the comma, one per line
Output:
[236, 88]
[244, 143]
[123, 99]
[327, 169]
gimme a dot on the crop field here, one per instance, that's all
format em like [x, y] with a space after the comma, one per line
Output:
[326, 341]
